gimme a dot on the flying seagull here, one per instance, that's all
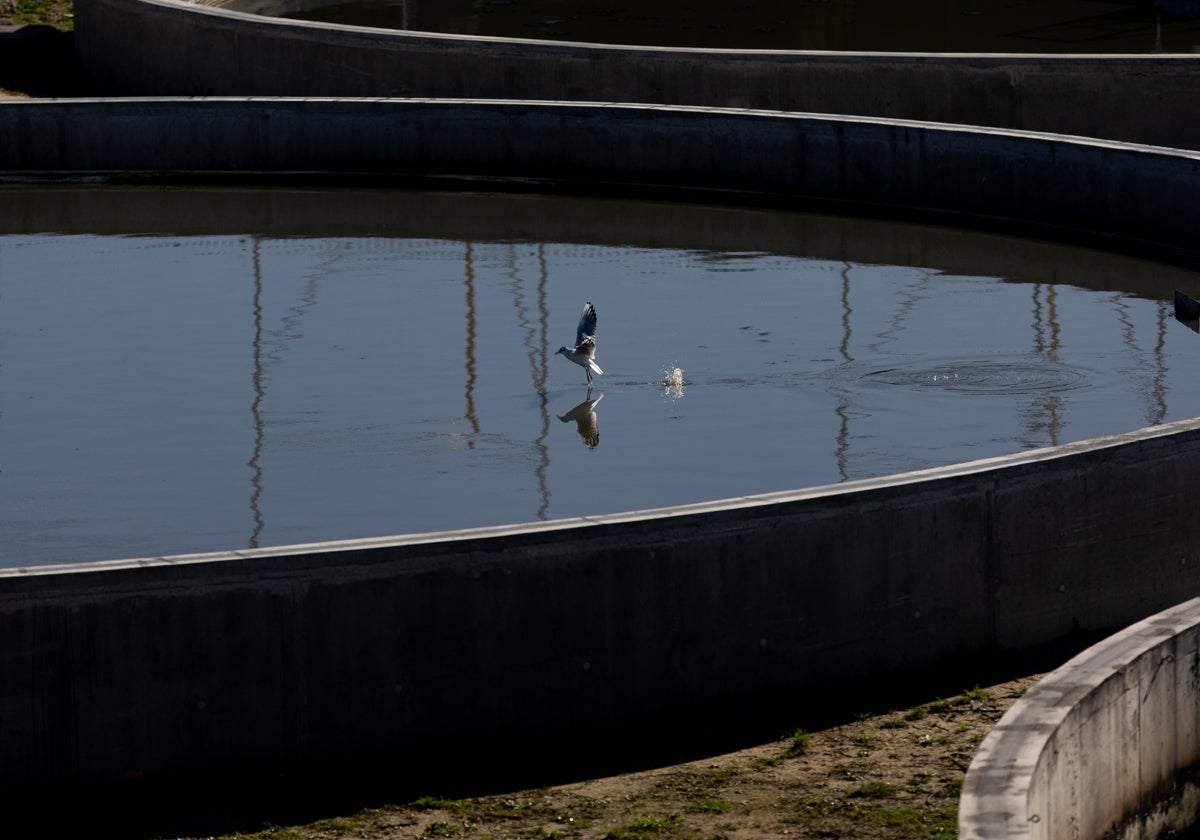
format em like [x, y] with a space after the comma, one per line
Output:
[584, 352]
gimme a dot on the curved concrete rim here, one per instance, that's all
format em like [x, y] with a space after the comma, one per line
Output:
[994, 466]
[1111, 193]
[227, 9]
[1094, 744]
[168, 47]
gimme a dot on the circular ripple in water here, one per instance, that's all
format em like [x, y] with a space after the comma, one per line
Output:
[1012, 376]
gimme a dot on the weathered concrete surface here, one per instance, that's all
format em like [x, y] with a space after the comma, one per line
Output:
[322, 652]
[1118, 194]
[1106, 746]
[161, 47]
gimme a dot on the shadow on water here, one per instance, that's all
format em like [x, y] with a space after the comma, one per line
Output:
[249, 798]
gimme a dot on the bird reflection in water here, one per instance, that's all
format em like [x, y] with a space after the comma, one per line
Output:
[584, 416]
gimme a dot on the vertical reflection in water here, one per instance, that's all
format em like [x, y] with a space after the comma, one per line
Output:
[1128, 333]
[1159, 386]
[1129, 339]
[912, 295]
[255, 462]
[1039, 330]
[1054, 400]
[843, 407]
[533, 336]
[263, 359]
[540, 380]
[1048, 343]
[1154, 388]
[472, 418]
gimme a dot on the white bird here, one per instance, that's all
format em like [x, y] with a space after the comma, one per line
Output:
[584, 352]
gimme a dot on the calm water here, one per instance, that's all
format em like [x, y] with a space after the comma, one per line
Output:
[219, 376]
[1054, 26]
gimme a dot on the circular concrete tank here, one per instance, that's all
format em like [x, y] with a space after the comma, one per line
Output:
[615, 618]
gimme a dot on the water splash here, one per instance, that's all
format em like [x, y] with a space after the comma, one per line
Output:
[673, 383]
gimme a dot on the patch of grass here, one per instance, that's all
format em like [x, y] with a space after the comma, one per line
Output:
[337, 825]
[720, 775]
[640, 827]
[272, 833]
[433, 803]
[940, 707]
[857, 770]
[484, 810]
[912, 822]
[818, 806]
[538, 833]
[894, 723]
[874, 790]
[442, 829]
[705, 804]
[976, 694]
[916, 714]
[799, 742]
[917, 783]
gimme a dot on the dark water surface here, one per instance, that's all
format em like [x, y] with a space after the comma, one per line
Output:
[1020, 26]
[191, 370]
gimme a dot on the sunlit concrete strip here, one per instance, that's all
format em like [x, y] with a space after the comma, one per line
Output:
[1105, 746]
[1117, 194]
[142, 47]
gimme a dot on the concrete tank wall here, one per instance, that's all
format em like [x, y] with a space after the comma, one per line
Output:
[162, 47]
[322, 652]
[1113, 193]
[1106, 746]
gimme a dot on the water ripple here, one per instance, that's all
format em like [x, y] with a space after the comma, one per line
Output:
[1023, 375]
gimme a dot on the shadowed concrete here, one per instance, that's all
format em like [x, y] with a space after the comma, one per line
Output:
[1115, 194]
[162, 47]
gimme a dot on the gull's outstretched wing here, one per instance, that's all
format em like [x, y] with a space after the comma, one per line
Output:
[587, 325]
[586, 348]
